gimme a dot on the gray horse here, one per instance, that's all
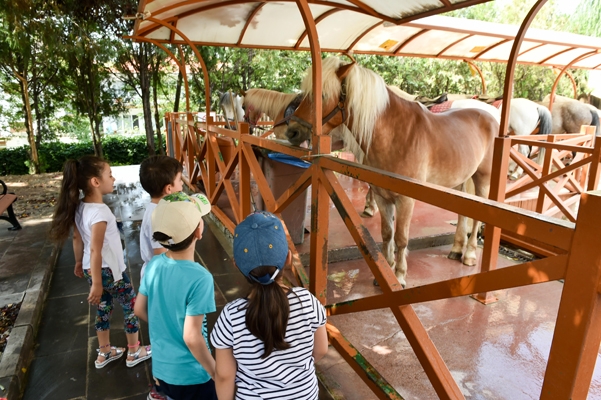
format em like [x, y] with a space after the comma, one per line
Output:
[569, 115]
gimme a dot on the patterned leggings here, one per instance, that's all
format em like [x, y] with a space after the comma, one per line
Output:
[123, 291]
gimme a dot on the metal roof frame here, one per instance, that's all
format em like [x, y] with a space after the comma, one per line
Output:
[371, 30]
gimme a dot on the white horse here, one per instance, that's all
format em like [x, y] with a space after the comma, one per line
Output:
[232, 108]
[525, 115]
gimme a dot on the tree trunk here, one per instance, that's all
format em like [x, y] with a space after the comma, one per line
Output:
[38, 118]
[157, 120]
[148, 119]
[96, 139]
[34, 161]
[145, 89]
[178, 91]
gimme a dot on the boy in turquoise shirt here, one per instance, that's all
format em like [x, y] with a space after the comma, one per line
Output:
[174, 296]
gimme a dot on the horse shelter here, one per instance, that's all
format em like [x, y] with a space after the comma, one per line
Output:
[568, 248]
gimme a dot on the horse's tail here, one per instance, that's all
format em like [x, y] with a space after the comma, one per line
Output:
[546, 121]
[595, 122]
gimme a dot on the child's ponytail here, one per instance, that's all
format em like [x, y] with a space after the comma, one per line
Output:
[267, 312]
[76, 174]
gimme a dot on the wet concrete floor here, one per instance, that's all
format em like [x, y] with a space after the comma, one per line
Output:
[498, 351]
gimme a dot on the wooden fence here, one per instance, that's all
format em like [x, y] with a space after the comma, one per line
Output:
[212, 155]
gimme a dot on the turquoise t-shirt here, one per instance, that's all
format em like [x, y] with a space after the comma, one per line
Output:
[176, 288]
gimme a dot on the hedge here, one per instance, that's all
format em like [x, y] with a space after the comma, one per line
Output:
[117, 150]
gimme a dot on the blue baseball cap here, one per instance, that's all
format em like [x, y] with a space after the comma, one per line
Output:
[260, 241]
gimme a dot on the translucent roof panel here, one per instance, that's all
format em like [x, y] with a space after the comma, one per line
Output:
[383, 27]
[405, 8]
[430, 42]
[340, 29]
[216, 27]
[380, 38]
[269, 28]
[472, 46]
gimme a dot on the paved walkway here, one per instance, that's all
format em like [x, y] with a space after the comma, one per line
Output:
[26, 257]
[62, 367]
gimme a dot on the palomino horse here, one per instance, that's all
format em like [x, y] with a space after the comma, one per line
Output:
[524, 116]
[370, 202]
[279, 107]
[399, 136]
[257, 102]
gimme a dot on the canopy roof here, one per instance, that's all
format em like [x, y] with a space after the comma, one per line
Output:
[383, 27]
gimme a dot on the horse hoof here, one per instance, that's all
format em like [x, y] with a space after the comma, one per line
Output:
[470, 262]
[454, 255]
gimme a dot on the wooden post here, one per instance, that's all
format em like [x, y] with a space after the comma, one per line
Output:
[546, 170]
[320, 225]
[593, 175]
[210, 157]
[492, 234]
[244, 177]
[578, 328]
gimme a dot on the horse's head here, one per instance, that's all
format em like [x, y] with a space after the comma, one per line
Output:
[333, 102]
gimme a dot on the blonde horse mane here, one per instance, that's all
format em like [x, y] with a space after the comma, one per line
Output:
[366, 97]
[268, 101]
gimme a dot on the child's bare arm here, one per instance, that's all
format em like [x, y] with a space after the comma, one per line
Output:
[225, 373]
[320, 343]
[141, 307]
[96, 242]
[78, 252]
[196, 343]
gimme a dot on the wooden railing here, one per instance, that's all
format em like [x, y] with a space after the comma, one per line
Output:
[213, 155]
[553, 186]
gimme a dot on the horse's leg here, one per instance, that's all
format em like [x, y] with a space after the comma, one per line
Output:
[404, 210]
[460, 233]
[514, 171]
[482, 186]
[387, 227]
[370, 204]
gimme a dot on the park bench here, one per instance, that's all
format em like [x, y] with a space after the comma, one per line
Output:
[6, 204]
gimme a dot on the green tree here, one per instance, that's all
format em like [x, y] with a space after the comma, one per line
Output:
[89, 50]
[28, 35]
[138, 67]
[587, 18]
[532, 82]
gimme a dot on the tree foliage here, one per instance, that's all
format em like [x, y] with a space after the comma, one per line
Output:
[28, 33]
[64, 66]
[532, 82]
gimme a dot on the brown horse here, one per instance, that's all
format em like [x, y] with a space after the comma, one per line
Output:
[400, 136]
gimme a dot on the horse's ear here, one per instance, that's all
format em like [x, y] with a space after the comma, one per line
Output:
[344, 70]
[242, 92]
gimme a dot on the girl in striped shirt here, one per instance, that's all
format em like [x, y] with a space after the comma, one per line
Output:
[266, 344]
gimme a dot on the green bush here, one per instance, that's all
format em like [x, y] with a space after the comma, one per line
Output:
[12, 161]
[117, 150]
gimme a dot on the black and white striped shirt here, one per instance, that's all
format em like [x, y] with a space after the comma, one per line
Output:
[285, 374]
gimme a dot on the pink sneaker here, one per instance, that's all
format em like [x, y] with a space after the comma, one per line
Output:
[154, 395]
